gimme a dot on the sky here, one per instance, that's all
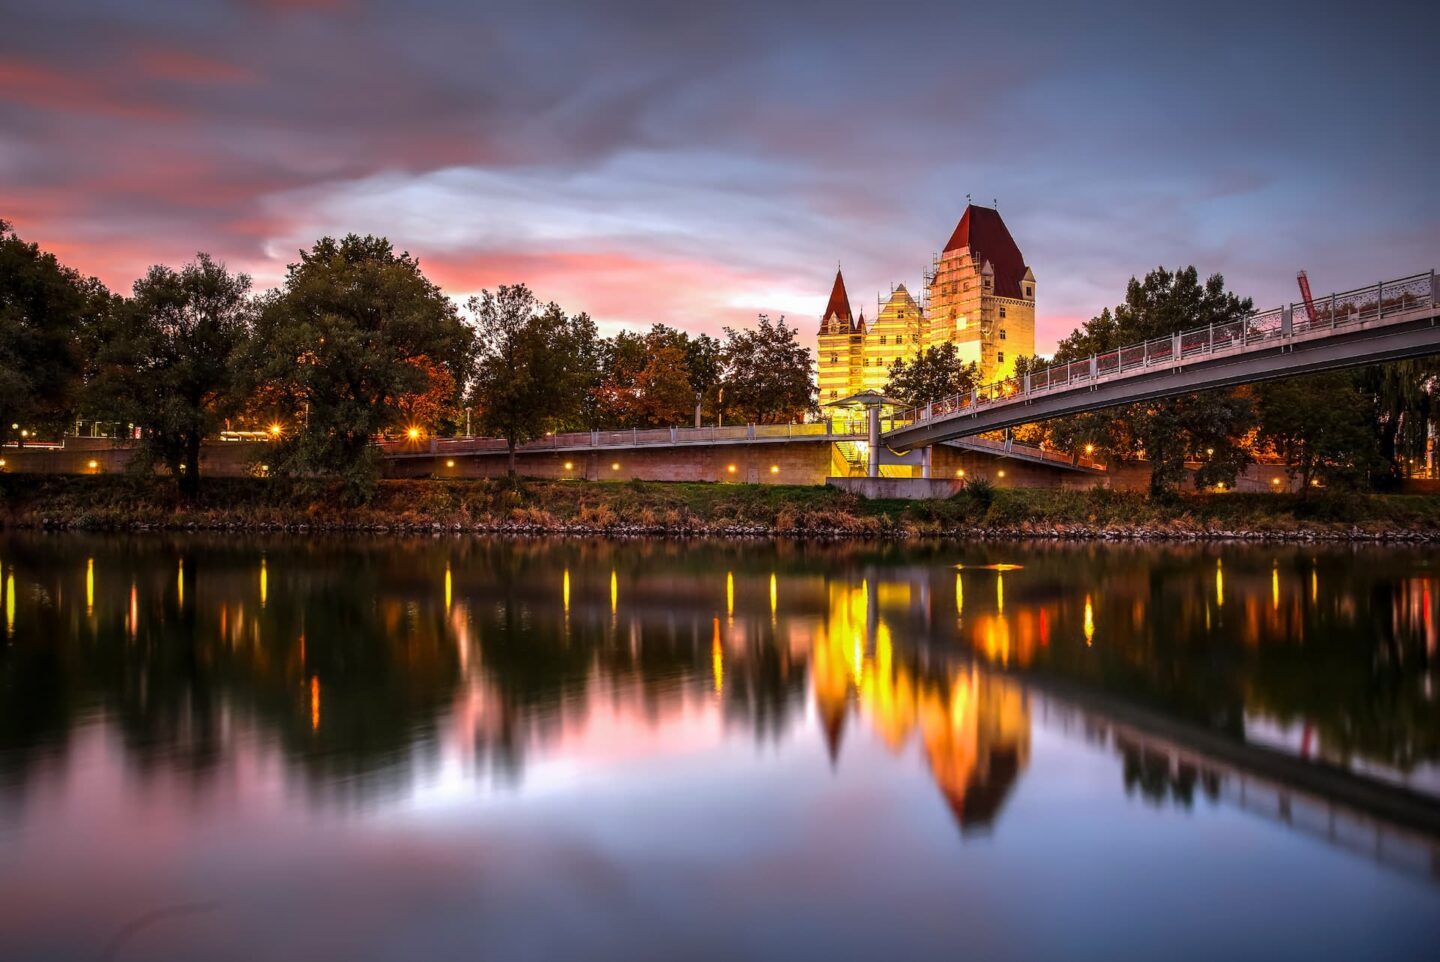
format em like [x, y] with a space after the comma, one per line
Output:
[697, 164]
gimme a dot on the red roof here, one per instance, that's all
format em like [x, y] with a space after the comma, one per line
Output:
[839, 303]
[982, 230]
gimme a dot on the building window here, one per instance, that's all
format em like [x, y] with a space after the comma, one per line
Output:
[1002, 310]
[882, 340]
[834, 358]
[1029, 291]
[1002, 335]
[914, 338]
[834, 394]
[967, 285]
[1000, 358]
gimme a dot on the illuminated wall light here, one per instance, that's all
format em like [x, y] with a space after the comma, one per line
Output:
[1275, 481]
[93, 464]
[730, 468]
[449, 462]
[1001, 474]
[959, 472]
[569, 465]
[2, 462]
[774, 469]
[615, 466]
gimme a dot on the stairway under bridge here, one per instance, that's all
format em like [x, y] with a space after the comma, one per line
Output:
[1389, 321]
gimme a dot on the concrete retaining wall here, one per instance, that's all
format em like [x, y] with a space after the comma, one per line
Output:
[907, 488]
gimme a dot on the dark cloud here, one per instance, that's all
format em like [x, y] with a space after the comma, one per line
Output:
[1115, 136]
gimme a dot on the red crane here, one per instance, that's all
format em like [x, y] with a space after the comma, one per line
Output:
[1305, 295]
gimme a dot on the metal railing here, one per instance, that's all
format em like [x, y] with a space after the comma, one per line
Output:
[635, 437]
[1333, 313]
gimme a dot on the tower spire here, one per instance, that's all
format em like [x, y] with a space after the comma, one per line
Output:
[839, 305]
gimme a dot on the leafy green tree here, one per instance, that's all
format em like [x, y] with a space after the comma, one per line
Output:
[768, 373]
[932, 375]
[705, 365]
[1321, 425]
[169, 364]
[1402, 402]
[353, 334]
[529, 374]
[48, 318]
[1210, 427]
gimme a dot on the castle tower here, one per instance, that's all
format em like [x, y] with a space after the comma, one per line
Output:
[896, 334]
[982, 295]
[841, 347]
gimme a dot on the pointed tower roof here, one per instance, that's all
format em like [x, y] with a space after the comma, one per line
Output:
[839, 305]
[985, 234]
[860, 322]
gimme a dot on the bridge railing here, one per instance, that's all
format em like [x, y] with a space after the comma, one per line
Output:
[1334, 312]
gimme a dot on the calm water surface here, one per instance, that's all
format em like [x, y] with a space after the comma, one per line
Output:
[220, 748]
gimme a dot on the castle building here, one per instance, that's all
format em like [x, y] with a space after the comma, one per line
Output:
[979, 294]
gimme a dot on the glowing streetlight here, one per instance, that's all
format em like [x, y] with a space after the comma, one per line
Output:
[276, 430]
[94, 464]
[413, 434]
[449, 462]
[1089, 449]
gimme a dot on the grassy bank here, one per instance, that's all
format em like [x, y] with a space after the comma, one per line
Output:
[125, 503]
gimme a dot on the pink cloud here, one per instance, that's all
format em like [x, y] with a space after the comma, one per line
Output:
[36, 85]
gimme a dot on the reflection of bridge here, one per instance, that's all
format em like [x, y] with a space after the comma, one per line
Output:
[1389, 824]
[1391, 321]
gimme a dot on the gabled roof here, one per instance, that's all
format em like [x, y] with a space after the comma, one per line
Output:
[985, 234]
[839, 305]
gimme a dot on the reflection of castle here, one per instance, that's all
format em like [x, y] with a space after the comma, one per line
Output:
[974, 726]
[979, 295]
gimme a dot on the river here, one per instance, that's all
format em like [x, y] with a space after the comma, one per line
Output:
[443, 748]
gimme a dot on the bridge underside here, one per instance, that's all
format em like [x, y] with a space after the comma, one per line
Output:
[1397, 339]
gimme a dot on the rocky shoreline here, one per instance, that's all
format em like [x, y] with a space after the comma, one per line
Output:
[896, 531]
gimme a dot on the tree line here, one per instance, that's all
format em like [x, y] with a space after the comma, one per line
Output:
[356, 343]
[1355, 428]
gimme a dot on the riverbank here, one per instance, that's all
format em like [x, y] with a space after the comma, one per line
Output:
[120, 503]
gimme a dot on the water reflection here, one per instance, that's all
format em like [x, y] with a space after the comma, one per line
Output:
[359, 676]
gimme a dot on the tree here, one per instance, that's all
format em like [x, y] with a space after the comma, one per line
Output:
[169, 364]
[705, 365]
[1321, 425]
[529, 373]
[664, 395]
[1401, 398]
[48, 317]
[932, 375]
[768, 374]
[1173, 431]
[354, 334]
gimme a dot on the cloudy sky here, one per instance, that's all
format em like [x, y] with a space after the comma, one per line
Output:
[697, 163]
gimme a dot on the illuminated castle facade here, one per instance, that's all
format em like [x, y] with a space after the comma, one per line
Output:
[979, 294]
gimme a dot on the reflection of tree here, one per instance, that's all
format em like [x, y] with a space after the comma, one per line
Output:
[358, 657]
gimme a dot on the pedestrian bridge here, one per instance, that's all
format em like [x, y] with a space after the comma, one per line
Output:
[1389, 321]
